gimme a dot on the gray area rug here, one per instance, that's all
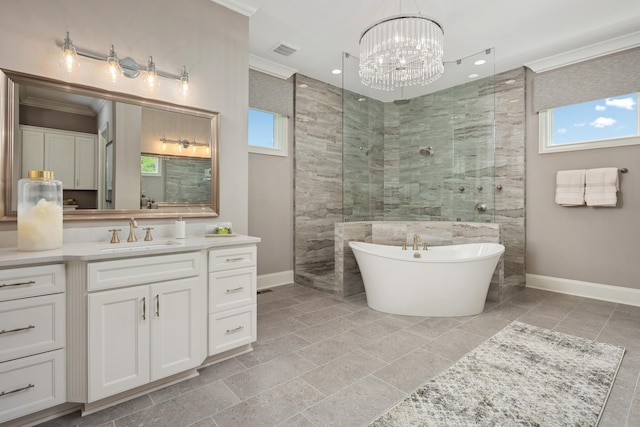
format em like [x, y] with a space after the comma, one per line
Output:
[522, 376]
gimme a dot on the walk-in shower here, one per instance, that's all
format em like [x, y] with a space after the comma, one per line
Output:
[390, 139]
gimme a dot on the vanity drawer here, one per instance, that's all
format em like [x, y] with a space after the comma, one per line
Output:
[227, 259]
[31, 384]
[140, 270]
[231, 289]
[231, 329]
[31, 281]
[31, 325]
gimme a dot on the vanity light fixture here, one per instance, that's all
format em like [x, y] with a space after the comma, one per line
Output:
[68, 60]
[183, 84]
[152, 74]
[185, 144]
[116, 67]
[114, 71]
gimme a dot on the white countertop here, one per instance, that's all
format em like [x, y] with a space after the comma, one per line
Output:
[96, 251]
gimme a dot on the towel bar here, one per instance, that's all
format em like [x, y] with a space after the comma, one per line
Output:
[623, 170]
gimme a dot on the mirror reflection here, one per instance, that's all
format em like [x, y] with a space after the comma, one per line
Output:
[115, 154]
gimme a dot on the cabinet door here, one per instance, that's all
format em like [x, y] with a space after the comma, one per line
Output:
[32, 151]
[175, 328]
[85, 161]
[59, 157]
[118, 340]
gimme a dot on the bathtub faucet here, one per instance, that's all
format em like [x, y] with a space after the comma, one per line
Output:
[416, 240]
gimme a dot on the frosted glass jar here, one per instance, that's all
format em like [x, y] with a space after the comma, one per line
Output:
[39, 212]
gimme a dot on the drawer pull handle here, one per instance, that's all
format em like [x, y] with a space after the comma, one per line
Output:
[236, 259]
[30, 282]
[4, 393]
[231, 291]
[234, 330]
[144, 308]
[4, 331]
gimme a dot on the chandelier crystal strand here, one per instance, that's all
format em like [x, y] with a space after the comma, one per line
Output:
[401, 51]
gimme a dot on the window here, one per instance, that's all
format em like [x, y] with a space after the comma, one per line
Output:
[150, 166]
[268, 133]
[608, 122]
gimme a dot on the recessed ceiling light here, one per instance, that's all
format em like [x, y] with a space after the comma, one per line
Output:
[473, 76]
[510, 82]
[362, 99]
[480, 62]
[303, 85]
[336, 71]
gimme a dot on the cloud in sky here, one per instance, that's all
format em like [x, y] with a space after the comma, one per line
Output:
[562, 130]
[603, 122]
[580, 125]
[600, 107]
[625, 103]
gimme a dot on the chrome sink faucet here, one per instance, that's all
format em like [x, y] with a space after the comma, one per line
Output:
[132, 233]
[416, 240]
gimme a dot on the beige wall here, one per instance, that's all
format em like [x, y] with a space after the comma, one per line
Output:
[209, 39]
[598, 245]
[271, 180]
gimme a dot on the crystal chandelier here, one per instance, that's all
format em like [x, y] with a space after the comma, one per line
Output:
[401, 51]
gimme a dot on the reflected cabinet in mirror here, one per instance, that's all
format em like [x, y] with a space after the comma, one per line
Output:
[117, 155]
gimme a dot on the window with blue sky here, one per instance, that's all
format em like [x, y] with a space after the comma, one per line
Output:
[261, 128]
[268, 133]
[608, 118]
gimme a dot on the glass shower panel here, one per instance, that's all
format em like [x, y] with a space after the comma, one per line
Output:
[470, 186]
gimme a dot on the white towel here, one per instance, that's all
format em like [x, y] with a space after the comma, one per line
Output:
[602, 186]
[570, 187]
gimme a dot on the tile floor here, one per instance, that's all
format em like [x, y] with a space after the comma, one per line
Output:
[325, 361]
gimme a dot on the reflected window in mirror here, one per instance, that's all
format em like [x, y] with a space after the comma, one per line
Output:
[123, 129]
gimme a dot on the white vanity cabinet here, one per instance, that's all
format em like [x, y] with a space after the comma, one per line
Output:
[144, 322]
[232, 298]
[32, 339]
[72, 156]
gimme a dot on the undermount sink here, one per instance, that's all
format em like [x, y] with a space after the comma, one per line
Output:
[140, 246]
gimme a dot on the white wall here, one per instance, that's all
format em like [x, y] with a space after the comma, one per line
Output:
[212, 41]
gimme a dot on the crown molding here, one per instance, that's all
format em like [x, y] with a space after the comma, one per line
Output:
[269, 67]
[596, 50]
[241, 8]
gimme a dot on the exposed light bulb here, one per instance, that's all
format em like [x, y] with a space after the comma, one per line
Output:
[179, 148]
[194, 149]
[68, 56]
[151, 75]
[207, 150]
[183, 83]
[114, 71]
[164, 146]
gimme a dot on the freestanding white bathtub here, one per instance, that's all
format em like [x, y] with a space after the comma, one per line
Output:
[444, 281]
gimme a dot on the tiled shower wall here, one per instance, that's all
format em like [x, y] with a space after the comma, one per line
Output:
[387, 178]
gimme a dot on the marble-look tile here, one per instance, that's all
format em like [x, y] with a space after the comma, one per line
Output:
[433, 327]
[297, 421]
[380, 328]
[326, 330]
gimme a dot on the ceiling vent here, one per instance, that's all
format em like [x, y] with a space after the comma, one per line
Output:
[284, 49]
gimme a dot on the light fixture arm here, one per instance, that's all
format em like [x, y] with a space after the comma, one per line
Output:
[131, 68]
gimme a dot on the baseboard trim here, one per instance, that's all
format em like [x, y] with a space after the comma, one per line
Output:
[272, 280]
[619, 294]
